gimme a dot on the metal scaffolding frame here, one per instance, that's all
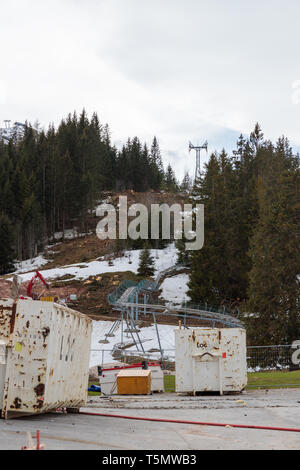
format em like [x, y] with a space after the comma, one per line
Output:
[126, 300]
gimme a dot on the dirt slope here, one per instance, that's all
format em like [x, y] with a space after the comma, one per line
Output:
[91, 293]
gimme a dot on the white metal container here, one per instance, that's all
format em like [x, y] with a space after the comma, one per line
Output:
[47, 357]
[157, 379]
[108, 381]
[108, 378]
[2, 368]
[210, 359]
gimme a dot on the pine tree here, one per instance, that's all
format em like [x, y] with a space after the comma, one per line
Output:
[170, 182]
[187, 184]
[207, 274]
[217, 273]
[146, 263]
[183, 256]
[6, 245]
[274, 292]
[156, 164]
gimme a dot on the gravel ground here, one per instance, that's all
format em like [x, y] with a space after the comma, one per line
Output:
[280, 408]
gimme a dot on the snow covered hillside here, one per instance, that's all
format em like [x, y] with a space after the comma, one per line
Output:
[129, 262]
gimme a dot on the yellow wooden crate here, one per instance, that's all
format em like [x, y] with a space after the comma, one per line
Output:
[134, 382]
[48, 299]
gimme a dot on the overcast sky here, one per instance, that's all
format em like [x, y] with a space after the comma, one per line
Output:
[183, 70]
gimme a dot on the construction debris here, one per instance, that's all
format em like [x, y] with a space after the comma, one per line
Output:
[31, 445]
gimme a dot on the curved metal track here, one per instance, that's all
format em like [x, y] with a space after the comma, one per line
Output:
[129, 299]
[132, 299]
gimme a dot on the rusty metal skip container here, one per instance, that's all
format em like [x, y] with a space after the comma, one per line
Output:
[44, 357]
[210, 360]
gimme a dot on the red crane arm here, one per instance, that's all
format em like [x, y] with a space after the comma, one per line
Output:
[31, 282]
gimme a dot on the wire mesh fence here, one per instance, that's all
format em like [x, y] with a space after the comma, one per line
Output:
[258, 357]
[270, 357]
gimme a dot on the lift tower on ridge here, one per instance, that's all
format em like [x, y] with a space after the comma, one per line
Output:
[198, 148]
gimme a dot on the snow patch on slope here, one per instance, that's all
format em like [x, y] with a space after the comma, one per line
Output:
[30, 264]
[174, 289]
[129, 262]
